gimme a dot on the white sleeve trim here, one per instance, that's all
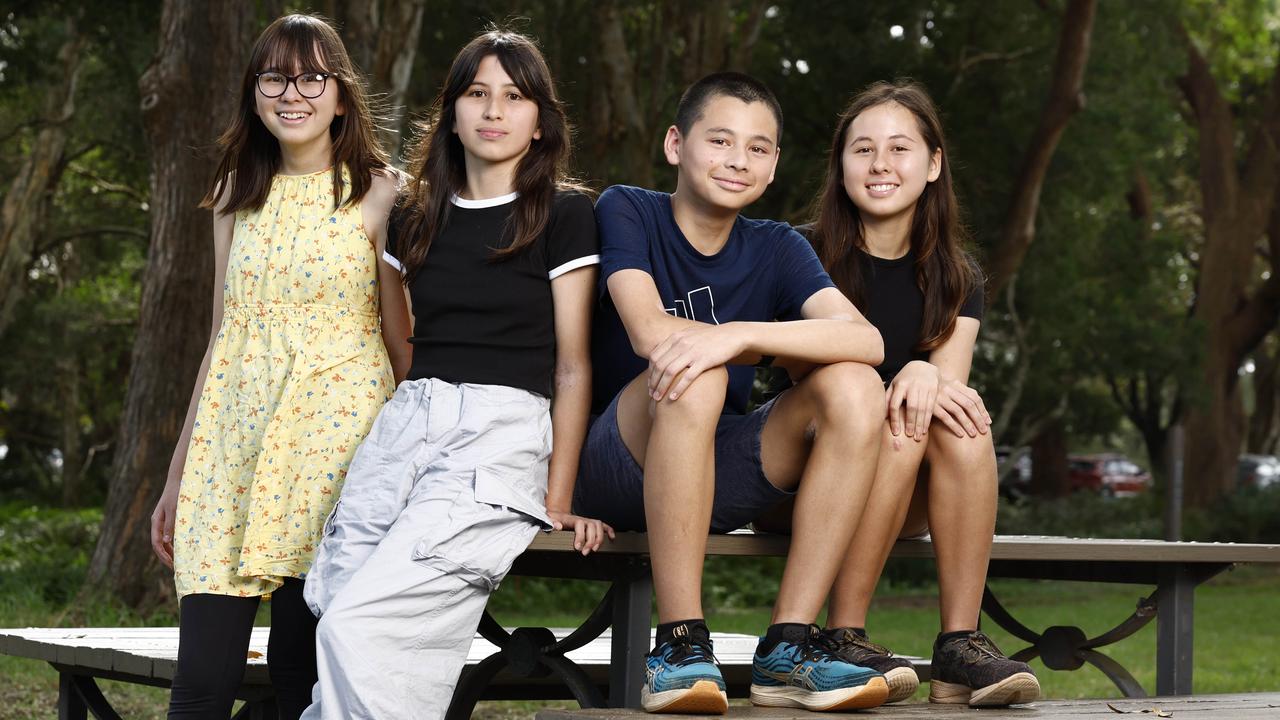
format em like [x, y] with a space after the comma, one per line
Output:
[581, 262]
[391, 260]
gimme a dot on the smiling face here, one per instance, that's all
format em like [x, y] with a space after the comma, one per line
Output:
[886, 162]
[729, 155]
[297, 122]
[494, 120]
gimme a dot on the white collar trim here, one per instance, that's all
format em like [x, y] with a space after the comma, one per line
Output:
[485, 203]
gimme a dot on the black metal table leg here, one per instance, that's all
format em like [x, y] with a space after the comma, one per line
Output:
[1065, 647]
[1174, 625]
[70, 704]
[79, 695]
[632, 610]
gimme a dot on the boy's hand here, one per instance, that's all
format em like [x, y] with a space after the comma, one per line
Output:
[587, 533]
[677, 361]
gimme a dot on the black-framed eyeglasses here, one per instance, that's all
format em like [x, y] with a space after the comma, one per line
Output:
[310, 85]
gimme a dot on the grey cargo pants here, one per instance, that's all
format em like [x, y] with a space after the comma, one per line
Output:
[447, 489]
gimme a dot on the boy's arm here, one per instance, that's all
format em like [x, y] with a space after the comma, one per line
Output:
[832, 331]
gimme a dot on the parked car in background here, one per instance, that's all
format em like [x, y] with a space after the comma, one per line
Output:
[1258, 471]
[1109, 474]
[1014, 467]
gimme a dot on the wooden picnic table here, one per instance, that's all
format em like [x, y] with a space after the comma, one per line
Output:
[600, 663]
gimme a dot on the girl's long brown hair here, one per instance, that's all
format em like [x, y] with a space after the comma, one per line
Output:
[437, 165]
[945, 272]
[293, 44]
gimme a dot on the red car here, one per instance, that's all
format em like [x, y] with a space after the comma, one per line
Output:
[1109, 475]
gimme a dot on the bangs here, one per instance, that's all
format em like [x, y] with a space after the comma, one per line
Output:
[293, 48]
[523, 71]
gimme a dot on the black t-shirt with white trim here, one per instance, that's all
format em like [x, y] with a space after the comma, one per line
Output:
[895, 305]
[486, 321]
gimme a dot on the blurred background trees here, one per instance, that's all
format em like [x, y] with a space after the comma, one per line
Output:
[1119, 164]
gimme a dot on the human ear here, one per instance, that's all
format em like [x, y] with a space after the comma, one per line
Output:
[777, 153]
[935, 165]
[671, 145]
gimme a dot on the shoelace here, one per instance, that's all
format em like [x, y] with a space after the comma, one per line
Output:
[980, 642]
[851, 638]
[818, 648]
[686, 651]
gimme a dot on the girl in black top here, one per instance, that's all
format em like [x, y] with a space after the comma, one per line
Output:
[887, 229]
[461, 469]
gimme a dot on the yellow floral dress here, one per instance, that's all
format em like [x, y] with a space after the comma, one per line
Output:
[297, 374]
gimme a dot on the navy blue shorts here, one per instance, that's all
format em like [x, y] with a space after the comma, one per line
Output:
[610, 485]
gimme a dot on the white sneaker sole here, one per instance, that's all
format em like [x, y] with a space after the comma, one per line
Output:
[1013, 690]
[861, 697]
[704, 698]
[903, 683]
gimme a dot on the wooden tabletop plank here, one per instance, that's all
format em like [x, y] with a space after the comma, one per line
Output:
[1006, 547]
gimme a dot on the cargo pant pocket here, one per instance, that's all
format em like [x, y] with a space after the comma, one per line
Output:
[487, 528]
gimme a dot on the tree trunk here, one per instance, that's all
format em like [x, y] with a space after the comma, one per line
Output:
[186, 94]
[1066, 98]
[24, 214]
[1049, 461]
[382, 37]
[624, 127]
[1238, 207]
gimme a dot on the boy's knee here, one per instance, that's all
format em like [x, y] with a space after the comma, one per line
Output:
[849, 393]
[703, 400]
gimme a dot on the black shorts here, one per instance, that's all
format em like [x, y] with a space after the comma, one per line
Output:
[610, 485]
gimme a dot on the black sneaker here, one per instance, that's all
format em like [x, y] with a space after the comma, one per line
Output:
[854, 647]
[971, 669]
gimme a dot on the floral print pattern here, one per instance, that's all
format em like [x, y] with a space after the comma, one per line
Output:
[297, 375]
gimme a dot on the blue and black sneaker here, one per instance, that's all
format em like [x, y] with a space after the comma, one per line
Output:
[683, 676]
[801, 669]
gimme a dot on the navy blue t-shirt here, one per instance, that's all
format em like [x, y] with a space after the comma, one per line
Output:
[765, 271]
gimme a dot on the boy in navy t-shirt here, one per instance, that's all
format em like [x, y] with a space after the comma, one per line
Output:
[696, 296]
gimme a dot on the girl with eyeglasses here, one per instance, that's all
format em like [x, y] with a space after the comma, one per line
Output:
[460, 470]
[307, 341]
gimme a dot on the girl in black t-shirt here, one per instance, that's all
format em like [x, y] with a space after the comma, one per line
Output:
[461, 469]
[887, 229]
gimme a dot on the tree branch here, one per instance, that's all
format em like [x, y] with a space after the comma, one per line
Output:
[1066, 98]
[108, 185]
[968, 62]
[1261, 158]
[1258, 317]
[1218, 181]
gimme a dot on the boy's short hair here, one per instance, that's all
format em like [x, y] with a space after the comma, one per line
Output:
[733, 84]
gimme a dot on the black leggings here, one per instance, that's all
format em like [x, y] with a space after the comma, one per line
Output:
[213, 647]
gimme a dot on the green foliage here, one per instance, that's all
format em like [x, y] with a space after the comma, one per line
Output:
[1083, 514]
[66, 352]
[1248, 515]
[44, 552]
